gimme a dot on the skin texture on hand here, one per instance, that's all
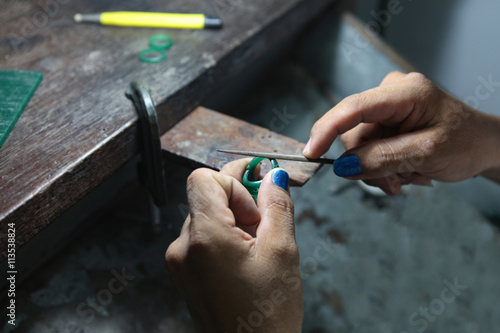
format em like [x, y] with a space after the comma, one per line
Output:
[408, 130]
[236, 261]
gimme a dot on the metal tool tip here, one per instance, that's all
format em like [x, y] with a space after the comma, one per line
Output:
[213, 23]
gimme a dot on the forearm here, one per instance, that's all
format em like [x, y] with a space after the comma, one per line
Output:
[492, 148]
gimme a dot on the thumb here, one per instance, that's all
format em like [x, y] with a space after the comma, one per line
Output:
[401, 154]
[276, 208]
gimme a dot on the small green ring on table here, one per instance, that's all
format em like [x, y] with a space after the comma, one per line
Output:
[161, 42]
[248, 179]
[152, 55]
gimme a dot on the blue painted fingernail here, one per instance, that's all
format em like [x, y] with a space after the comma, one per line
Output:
[280, 179]
[347, 166]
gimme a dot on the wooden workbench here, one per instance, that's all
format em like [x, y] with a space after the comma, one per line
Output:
[79, 127]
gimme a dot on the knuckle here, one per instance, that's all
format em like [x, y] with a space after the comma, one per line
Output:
[197, 176]
[174, 260]
[380, 164]
[354, 100]
[286, 252]
[194, 250]
[417, 78]
[199, 242]
[385, 158]
[392, 74]
[204, 245]
[282, 206]
[346, 139]
[422, 83]
[430, 145]
[236, 165]
[354, 137]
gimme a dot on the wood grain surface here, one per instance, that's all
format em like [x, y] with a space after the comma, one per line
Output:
[195, 140]
[79, 128]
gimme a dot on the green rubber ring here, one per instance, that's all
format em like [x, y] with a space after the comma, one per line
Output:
[248, 179]
[161, 42]
[152, 55]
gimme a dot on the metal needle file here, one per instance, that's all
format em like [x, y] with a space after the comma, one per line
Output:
[298, 158]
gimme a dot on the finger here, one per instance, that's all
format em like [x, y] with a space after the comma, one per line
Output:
[175, 257]
[391, 184]
[236, 168]
[276, 207]
[405, 153]
[388, 105]
[185, 226]
[393, 77]
[364, 133]
[216, 198]
[361, 134]
[423, 181]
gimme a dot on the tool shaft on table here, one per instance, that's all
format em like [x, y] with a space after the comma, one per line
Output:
[298, 158]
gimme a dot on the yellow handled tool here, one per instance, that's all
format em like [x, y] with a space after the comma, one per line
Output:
[152, 20]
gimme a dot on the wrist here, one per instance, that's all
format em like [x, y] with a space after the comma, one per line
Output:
[491, 168]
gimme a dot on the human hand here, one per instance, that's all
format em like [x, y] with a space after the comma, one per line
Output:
[405, 131]
[236, 261]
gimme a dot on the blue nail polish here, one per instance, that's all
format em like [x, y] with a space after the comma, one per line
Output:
[280, 178]
[347, 166]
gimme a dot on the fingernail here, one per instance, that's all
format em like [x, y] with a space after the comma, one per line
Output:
[423, 182]
[347, 166]
[307, 148]
[280, 179]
